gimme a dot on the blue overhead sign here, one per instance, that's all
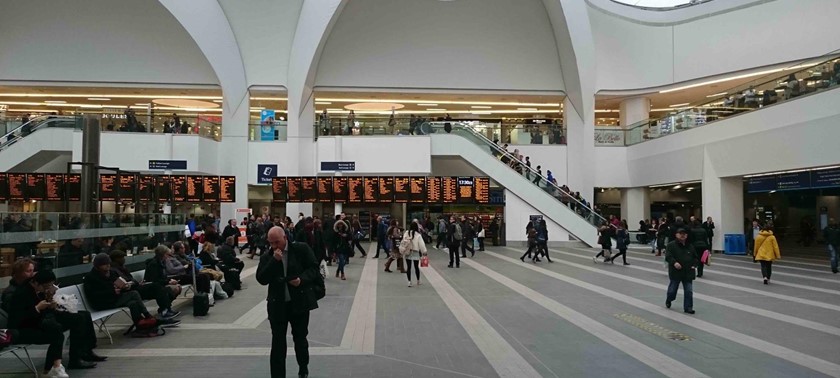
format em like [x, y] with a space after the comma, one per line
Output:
[168, 164]
[793, 181]
[265, 172]
[826, 178]
[338, 165]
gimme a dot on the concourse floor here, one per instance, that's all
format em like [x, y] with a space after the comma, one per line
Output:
[497, 316]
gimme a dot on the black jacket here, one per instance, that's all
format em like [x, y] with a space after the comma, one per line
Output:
[227, 255]
[99, 290]
[230, 231]
[699, 238]
[22, 313]
[155, 272]
[302, 265]
[684, 254]
[8, 293]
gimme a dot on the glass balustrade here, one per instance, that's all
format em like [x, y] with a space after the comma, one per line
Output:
[62, 240]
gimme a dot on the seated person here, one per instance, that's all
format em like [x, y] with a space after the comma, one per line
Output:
[177, 265]
[71, 253]
[227, 255]
[35, 320]
[104, 290]
[208, 256]
[162, 294]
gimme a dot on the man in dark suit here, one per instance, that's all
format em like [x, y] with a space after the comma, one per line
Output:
[289, 270]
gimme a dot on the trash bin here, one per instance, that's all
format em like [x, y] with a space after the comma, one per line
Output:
[734, 244]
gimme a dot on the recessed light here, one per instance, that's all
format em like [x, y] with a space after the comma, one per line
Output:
[55, 102]
[677, 186]
[218, 101]
[716, 94]
[427, 104]
[527, 109]
[436, 110]
[678, 105]
[481, 107]
[323, 103]
[99, 99]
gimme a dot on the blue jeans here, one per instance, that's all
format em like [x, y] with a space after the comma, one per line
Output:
[832, 253]
[342, 261]
[688, 296]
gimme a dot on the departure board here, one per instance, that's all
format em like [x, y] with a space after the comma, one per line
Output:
[145, 188]
[4, 187]
[466, 189]
[371, 190]
[279, 190]
[482, 190]
[163, 188]
[73, 187]
[309, 189]
[386, 189]
[293, 189]
[211, 188]
[355, 189]
[128, 187]
[179, 188]
[433, 195]
[36, 187]
[418, 190]
[402, 189]
[108, 187]
[195, 188]
[340, 190]
[325, 189]
[450, 190]
[17, 186]
[55, 186]
[227, 189]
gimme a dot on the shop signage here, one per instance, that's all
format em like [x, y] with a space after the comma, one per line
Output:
[168, 164]
[265, 172]
[609, 137]
[826, 178]
[338, 165]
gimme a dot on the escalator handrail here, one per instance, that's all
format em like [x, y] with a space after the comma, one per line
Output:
[37, 123]
[501, 151]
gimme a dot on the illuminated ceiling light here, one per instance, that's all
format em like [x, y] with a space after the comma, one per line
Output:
[436, 102]
[56, 102]
[218, 101]
[436, 110]
[257, 108]
[323, 103]
[99, 99]
[606, 110]
[772, 191]
[678, 105]
[374, 106]
[744, 76]
[269, 98]
[143, 104]
[478, 112]
[427, 104]
[528, 109]
[676, 187]
[185, 103]
[109, 96]
[481, 107]
[716, 94]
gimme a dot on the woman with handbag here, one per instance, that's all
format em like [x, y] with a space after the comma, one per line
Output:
[415, 251]
[343, 248]
[766, 251]
[622, 238]
[394, 236]
[606, 231]
[358, 235]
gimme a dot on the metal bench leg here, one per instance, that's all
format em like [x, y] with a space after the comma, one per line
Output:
[31, 365]
[104, 328]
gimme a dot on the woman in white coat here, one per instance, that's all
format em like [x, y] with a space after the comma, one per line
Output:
[416, 250]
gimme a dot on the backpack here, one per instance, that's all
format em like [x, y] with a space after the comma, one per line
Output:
[148, 327]
[405, 244]
[201, 304]
[228, 288]
[458, 234]
[232, 279]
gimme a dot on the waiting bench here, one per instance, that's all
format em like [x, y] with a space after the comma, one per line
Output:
[14, 349]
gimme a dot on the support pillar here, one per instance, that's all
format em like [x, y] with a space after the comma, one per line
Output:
[235, 118]
[633, 110]
[635, 205]
[723, 200]
[90, 156]
[580, 140]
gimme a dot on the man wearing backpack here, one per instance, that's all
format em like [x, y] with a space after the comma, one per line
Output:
[455, 237]
[441, 231]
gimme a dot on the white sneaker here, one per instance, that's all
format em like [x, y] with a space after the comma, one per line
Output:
[409, 283]
[418, 282]
[58, 372]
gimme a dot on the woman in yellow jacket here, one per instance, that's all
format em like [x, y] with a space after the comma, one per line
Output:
[766, 251]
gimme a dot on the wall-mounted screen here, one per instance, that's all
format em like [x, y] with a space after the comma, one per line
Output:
[355, 189]
[211, 189]
[128, 187]
[4, 187]
[386, 189]
[466, 190]
[227, 189]
[145, 188]
[325, 189]
[309, 189]
[195, 188]
[163, 188]
[293, 189]
[55, 187]
[340, 190]
[17, 186]
[433, 193]
[450, 190]
[402, 189]
[179, 188]
[279, 190]
[482, 190]
[418, 190]
[73, 187]
[108, 187]
[371, 189]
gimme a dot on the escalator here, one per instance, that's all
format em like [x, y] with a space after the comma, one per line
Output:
[576, 218]
[38, 142]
